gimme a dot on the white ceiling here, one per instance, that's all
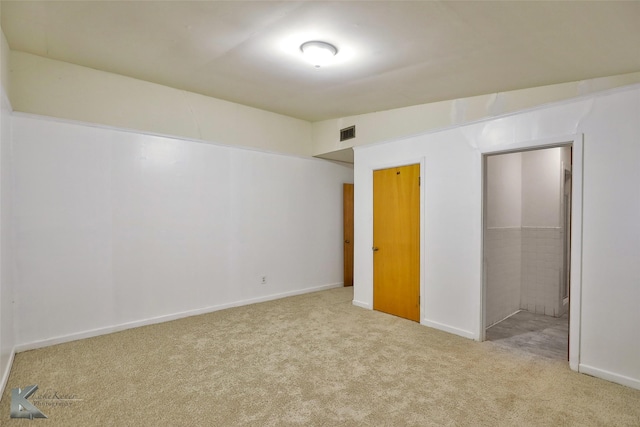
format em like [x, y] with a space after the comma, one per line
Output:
[391, 53]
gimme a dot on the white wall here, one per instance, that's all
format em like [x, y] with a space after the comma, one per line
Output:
[59, 89]
[610, 340]
[452, 192]
[504, 190]
[541, 188]
[6, 239]
[7, 341]
[119, 229]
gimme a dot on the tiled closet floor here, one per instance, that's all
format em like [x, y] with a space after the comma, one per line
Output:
[533, 333]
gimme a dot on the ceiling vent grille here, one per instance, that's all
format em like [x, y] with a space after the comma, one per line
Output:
[347, 133]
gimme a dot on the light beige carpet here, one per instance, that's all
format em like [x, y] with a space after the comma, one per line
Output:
[310, 360]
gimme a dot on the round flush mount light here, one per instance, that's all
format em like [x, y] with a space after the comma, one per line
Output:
[318, 53]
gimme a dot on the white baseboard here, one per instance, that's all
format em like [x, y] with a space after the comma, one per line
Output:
[609, 376]
[7, 371]
[166, 318]
[430, 323]
[450, 329]
[361, 304]
[504, 318]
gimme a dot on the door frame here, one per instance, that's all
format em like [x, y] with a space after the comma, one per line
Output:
[406, 162]
[575, 286]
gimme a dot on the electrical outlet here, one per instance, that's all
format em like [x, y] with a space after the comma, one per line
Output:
[264, 280]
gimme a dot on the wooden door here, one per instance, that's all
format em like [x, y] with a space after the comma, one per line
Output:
[396, 241]
[347, 195]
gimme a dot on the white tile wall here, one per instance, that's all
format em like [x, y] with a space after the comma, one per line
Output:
[503, 269]
[523, 271]
[541, 264]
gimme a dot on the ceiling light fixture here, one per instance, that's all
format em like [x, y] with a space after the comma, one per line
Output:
[318, 53]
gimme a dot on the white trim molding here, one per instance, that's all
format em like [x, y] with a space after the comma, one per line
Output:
[450, 329]
[609, 376]
[166, 318]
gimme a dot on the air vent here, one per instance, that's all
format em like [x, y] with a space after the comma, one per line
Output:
[347, 133]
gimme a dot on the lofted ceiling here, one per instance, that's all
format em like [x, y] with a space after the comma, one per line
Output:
[391, 53]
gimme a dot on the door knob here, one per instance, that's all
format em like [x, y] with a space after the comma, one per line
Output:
[374, 249]
[346, 241]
